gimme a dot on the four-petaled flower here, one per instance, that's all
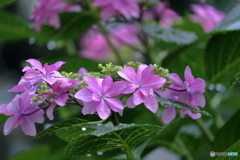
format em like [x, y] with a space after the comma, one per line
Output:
[142, 83]
[23, 112]
[97, 97]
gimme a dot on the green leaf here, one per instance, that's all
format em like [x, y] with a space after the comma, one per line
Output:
[12, 28]
[231, 22]
[3, 118]
[62, 125]
[4, 3]
[229, 130]
[170, 34]
[237, 76]
[72, 26]
[222, 58]
[234, 148]
[125, 136]
[180, 105]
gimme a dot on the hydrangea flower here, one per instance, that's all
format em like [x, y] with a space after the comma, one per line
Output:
[207, 16]
[166, 16]
[128, 8]
[97, 97]
[23, 112]
[141, 84]
[37, 73]
[190, 91]
[47, 11]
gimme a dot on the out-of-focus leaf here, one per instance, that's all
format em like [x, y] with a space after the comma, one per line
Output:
[222, 58]
[170, 34]
[73, 63]
[3, 118]
[228, 134]
[180, 105]
[12, 28]
[234, 148]
[73, 25]
[4, 3]
[231, 22]
[237, 76]
[124, 136]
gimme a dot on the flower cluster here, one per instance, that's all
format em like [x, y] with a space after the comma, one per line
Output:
[44, 88]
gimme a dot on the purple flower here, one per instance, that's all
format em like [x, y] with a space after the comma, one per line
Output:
[37, 73]
[190, 91]
[60, 95]
[128, 8]
[166, 16]
[97, 97]
[47, 11]
[141, 84]
[207, 16]
[23, 112]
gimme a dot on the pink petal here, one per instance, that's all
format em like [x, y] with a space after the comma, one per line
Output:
[28, 127]
[94, 84]
[188, 75]
[50, 109]
[35, 64]
[10, 124]
[130, 88]
[144, 90]
[107, 12]
[168, 114]
[3, 110]
[100, 3]
[53, 20]
[84, 94]
[146, 74]
[176, 80]
[107, 84]
[155, 82]
[130, 103]
[115, 105]
[199, 99]
[192, 115]
[185, 98]
[116, 89]
[37, 117]
[61, 99]
[89, 107]
[130, 73]
[151, 103]
[138, 97]
[103, 110]
[198, 85]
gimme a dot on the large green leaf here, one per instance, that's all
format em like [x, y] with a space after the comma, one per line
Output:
[4, 3]
[125, 136]
[231, 22]
[222, 58]
[72, 26]
[62, 125]
[228, 134]
[234, 148]
[180, 105]
[12, 28]
[170, 34]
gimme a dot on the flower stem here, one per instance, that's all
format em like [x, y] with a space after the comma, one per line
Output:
[205, 130]
[115, 51]
[114, 119]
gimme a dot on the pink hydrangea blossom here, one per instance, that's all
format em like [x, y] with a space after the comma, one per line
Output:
[47, 11]
[207, 16]
[23, 112]
[166, 16]
[141, 84]
[128, 8]
[98, 96]
[190, 91]
[37, 73]
[60, 95]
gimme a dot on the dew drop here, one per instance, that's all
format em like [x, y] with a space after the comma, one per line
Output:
[99, 124]
[99, 153]
[31, 40]
[51, 45]
[84, 129]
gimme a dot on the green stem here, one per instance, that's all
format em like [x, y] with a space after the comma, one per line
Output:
[115, 51]
[205, 130]
[114, 119]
